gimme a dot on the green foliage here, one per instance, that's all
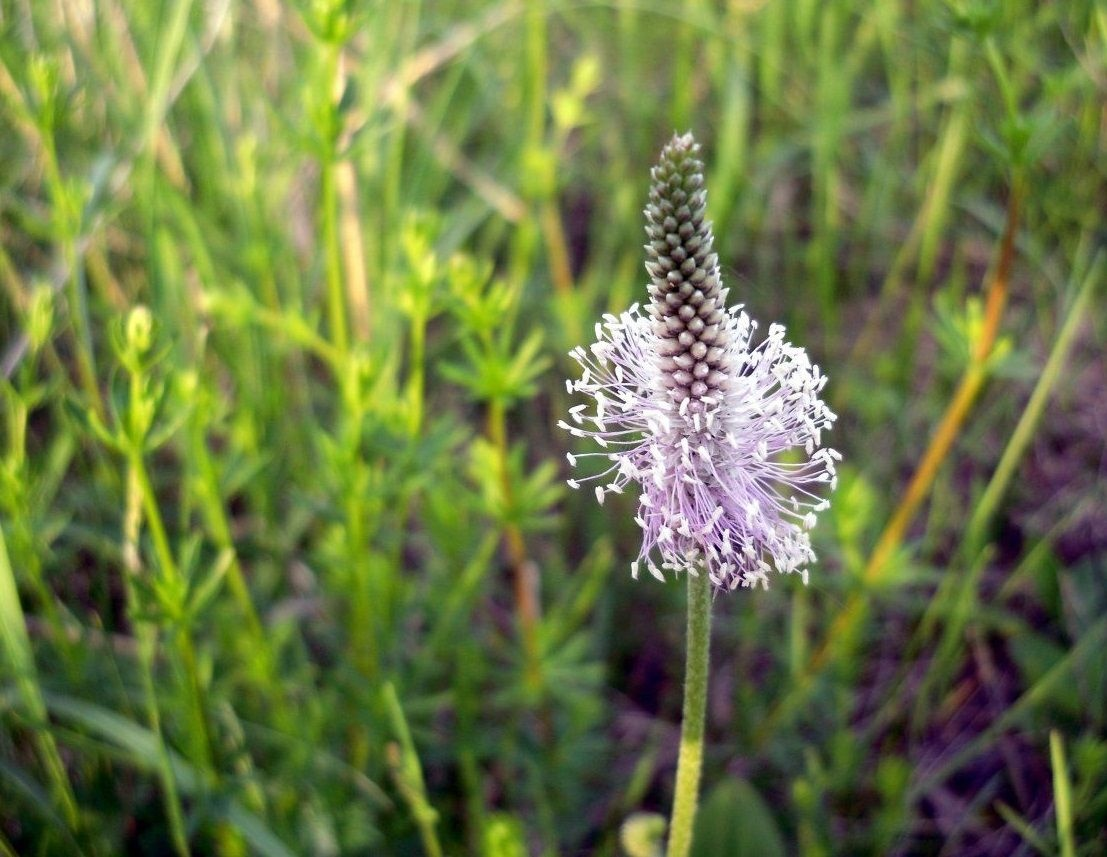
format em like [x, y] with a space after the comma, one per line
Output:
[286, 560]
[735, 821]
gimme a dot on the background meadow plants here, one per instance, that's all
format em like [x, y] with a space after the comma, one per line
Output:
[286, 293]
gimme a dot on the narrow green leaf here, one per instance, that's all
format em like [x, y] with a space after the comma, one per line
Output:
[734, 821]
[1062, 793]
[141, 748]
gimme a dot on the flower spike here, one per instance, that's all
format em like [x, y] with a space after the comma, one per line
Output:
[721, 436]
[686, 299]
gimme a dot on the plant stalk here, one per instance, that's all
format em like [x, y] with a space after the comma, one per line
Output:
[146, 636]
[527, 605]
[15, 646]
[690, 760]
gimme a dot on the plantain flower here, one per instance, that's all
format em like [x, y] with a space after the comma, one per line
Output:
[721, 436]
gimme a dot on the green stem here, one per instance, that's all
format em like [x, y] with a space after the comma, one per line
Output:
[78, 298]
[408, 774]
[146, 637]
[536, 72]
[363, 564]
[405, 39]
[365, 609]
[15, 644]
[336, 297]
[417, 377]
[526, 589]
[684, 67]
[329, 205]
[215, 514]
[690, 761]
[205, 752]
[67, 216]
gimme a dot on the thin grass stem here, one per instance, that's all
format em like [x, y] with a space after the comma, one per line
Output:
[146, 638]
[336, 295]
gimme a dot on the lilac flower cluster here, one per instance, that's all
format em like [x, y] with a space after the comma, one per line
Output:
[721, 436]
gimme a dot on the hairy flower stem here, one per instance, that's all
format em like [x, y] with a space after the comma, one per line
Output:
[690, 760]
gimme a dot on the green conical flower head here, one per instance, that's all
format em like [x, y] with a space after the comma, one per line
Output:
[687, 298]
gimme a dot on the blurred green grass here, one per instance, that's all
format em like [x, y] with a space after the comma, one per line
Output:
[295, 570]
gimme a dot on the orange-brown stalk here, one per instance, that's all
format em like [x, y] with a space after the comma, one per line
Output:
[525, 576]
[848, 620]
